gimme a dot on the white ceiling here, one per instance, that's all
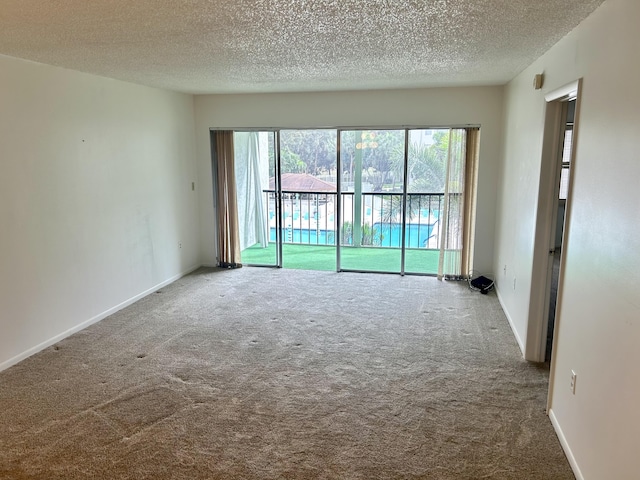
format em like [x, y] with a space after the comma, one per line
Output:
[227, 46]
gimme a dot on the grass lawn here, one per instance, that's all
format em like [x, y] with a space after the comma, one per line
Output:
[318, 257]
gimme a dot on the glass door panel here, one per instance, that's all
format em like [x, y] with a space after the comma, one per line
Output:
[372, 184]
[308, 173]
[426, 167]
[255, 170]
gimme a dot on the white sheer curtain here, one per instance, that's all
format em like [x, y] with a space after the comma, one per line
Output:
[457, 216]
[259, 162]
[250, 168]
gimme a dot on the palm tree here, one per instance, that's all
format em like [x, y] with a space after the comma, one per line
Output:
[371, 236]
[425, 176]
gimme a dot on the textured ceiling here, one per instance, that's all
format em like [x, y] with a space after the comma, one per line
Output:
[225, 46]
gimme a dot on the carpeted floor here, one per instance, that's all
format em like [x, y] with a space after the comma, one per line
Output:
[284, 374]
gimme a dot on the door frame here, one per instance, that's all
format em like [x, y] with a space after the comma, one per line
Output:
[544, 237]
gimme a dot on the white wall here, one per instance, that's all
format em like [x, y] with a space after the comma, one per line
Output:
[598, 323]
[95, 196]
[424, 107]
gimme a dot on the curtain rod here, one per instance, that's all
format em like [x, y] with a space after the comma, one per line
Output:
[349, 128]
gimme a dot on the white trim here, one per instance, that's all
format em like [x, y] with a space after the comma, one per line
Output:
[546, 214]
[565, 446]
[545, 226]
[511, 324]
[565, 92]
[47, 343]
[572, 90]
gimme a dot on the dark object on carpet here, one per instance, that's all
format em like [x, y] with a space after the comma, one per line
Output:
[482, 284]
[229, 265]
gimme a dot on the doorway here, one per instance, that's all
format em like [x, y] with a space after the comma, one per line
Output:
[564, 163]
[552, 223]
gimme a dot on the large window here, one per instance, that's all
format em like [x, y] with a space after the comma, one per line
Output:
[380, 200]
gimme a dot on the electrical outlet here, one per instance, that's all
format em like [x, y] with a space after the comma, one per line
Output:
[514, 283]
[573, 382]
[180, 245]
[193, 186]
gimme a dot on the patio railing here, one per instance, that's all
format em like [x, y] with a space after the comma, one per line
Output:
[310, 218]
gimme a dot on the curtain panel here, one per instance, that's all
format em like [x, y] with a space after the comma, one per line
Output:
[457, 219]
[469, 200]
[227, 209]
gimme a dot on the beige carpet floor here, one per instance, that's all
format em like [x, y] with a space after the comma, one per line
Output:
[282, 374]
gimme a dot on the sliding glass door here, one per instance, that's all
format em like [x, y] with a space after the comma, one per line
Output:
[308, 169]
[427, 158]
[255, 170]
[372, 186]
[287, 196]
[402, 200]
[395, 200]
[438, 186]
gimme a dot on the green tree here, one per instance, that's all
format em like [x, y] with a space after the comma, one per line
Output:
[291, 162]
[315, 148]
[426, 174]
[382, 151]
[427, 167]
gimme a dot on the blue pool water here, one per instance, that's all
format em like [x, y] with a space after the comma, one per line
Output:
[306, 236]
[417, 235]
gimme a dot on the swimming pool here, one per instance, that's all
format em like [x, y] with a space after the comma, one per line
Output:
[417, 235]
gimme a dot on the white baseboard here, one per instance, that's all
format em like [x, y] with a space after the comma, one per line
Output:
[81, 326]
[511, 324]
[565, 446]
